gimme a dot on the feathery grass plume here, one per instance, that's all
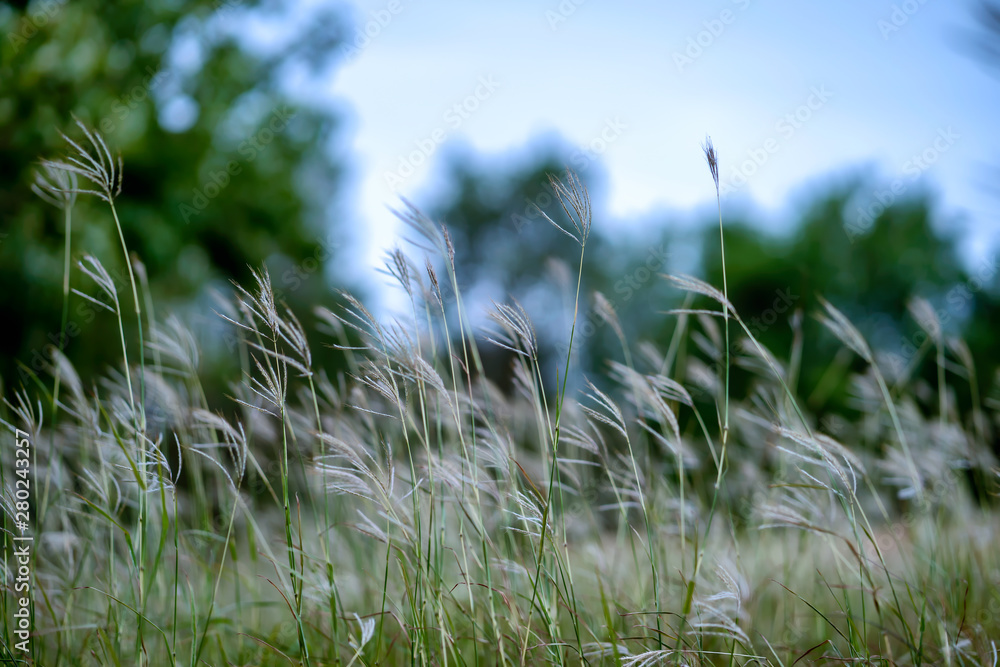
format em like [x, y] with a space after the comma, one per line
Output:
[267, 332]
[94, 269]
[845, 331]
[56, 185]
[29, 413]
[794, 507]
[397, 266]
[757, 358]
[575, 202]
[701, 377]
[518, 333]
[234, 443]
[611, 413]
[712, 157]
[826, 453]
[435, 286]
[981, 423]
[606, 312]
[105, 173]
[177, 343]
[64, 368]
[100, 168]
[924, 314]
[698, 286]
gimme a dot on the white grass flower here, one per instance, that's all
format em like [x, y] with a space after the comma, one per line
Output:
[96, 165]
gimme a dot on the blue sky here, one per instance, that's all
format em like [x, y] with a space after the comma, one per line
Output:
[793, 94]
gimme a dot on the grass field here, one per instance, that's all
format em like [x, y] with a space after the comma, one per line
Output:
[408, 512]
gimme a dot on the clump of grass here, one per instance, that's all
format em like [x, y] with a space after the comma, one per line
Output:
[408, 510]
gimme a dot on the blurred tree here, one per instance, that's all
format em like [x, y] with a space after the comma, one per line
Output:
[985, 42]
[869, 267]
[221, 167]
[506, 249]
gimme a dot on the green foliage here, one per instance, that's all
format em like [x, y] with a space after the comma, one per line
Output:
[223, 190]
[871, 273]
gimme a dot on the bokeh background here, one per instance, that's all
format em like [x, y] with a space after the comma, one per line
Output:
[857, 142]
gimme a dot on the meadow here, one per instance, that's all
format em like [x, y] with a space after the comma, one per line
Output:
[410, 512]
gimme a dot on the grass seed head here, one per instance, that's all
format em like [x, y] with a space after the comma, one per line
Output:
[713, 160]
[96, 166]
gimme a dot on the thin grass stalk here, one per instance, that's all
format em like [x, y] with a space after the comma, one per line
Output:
[296, 579]
[560, 396]
[434, 541]
[470, 358]
[713, 163]
[141, 422]
[218, 578]
[464, 459]
[330, 573]
[712, 158]
[498, 634]
[64, 320]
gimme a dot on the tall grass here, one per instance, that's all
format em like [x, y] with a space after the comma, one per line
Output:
[409, 511]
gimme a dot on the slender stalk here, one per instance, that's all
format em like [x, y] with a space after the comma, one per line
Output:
[712, 156]
[560, 397]
[68, 216]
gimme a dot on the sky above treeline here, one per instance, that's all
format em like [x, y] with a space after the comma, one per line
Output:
[794, 96]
